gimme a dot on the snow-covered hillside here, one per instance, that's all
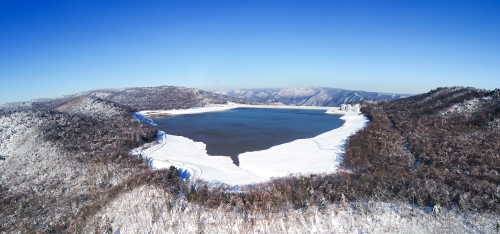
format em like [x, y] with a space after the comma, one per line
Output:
[52, 163]
[95, 107]
[310, 96]
[30, 168]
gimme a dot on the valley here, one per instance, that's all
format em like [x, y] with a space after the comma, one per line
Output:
[71, 164]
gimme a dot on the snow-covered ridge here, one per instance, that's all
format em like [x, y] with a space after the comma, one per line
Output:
[321, 154]
[149, 98]
[310, 96]
[92, 106]
[467, 107]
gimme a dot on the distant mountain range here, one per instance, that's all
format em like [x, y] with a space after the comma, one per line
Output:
[310, 96]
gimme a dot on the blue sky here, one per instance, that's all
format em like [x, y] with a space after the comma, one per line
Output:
[52, 48]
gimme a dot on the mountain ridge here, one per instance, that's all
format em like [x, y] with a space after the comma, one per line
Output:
[137, 98]
[308, 96]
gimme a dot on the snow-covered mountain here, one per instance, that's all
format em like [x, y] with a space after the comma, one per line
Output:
[310, 96]
[147, 98]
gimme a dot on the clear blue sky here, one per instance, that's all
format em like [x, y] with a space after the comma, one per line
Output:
[51, 48]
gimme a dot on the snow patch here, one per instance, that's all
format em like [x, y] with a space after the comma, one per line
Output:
[196, 110]
[320, 154]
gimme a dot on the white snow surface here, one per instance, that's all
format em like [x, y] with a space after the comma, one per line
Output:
[224, 107]
[321, 154]
[198, 110]
[189, 155]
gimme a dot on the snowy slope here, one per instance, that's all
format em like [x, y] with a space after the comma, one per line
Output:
[32, 167]
[310, 96]
[95, 107]
[50, 159]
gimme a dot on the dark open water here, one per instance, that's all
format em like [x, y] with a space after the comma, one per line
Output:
[240, 130]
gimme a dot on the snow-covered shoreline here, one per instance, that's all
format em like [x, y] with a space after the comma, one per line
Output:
[320, 154]
[153, 113]
[224, 107]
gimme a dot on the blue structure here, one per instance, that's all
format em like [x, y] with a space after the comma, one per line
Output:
[184, 174]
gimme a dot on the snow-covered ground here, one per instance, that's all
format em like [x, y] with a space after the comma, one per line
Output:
[224, 107]
[189, 111]
[192, 156]
[320, 154]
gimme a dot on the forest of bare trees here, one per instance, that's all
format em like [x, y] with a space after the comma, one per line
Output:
[56, 162]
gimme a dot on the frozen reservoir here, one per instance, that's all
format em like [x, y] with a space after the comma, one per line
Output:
[239, 130]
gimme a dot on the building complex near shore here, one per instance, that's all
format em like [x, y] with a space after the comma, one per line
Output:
[345, 109]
